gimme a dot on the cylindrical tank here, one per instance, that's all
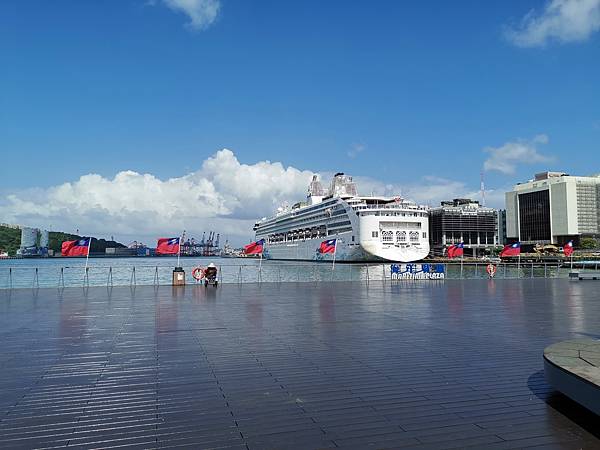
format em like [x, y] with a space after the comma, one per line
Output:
[44, 238]
[28, 237]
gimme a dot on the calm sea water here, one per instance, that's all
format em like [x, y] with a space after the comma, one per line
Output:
[56, 272]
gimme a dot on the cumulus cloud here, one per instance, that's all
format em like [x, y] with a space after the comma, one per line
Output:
[202, 13]
[561, 20]
[223, 195]
[505, 158]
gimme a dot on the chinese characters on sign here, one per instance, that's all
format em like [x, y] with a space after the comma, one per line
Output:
[417, 271]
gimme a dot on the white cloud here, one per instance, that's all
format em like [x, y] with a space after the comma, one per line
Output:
[223, 195]
[561, 20]
[505, 159]
[356, 150]
[202, 13]
[430, 190]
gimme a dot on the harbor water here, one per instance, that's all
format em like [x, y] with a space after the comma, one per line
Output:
[62, 272]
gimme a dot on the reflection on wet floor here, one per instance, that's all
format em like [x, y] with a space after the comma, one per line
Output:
[292, 365]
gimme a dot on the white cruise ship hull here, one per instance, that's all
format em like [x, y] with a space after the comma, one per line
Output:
[346, 251]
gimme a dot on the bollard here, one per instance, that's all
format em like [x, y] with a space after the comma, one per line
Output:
[178, 276]
[532, 269]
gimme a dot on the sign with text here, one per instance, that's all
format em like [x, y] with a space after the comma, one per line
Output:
[418, 271]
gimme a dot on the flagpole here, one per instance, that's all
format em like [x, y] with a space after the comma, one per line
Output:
[334, 252]
[179, 248]
[88, 254]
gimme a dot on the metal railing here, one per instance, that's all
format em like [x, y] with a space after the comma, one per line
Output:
[267, 272]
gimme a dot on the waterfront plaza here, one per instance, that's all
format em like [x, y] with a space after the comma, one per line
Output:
[424, 365]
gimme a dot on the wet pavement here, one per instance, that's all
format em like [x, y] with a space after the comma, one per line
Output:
[424, 365]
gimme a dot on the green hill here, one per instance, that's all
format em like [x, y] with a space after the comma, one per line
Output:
[10, 240]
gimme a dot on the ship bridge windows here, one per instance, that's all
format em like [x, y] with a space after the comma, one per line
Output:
[387, 237]
[414, 236]
[400, 236]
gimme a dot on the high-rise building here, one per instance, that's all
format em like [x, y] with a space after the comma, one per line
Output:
[553, 208]
[463, 220]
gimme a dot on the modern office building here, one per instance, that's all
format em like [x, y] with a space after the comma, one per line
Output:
[502, 227]
[463, 220]
[553, 208]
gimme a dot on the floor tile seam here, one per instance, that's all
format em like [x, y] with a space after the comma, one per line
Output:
[37, 381]
[112, 346]
[220, 389]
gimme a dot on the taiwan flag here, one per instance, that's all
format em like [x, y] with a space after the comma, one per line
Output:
[254, 248]
[327, 246]
[568, 249]
[80, 247]
[456, 250]
[511, 250]
[167, 246]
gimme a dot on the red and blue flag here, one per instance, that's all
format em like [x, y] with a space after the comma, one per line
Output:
[167, 246]
[568, 249]
[456, 250]
[79, 247]
[511, 250]
[255, 248]
[327, 246]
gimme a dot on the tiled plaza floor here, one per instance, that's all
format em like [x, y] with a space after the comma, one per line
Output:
[424, 365]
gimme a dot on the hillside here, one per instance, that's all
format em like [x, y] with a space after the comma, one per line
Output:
[10, 240]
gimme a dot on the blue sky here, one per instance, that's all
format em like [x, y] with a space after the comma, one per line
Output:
[411, 94]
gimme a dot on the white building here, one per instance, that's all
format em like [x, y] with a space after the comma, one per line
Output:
[553, 208]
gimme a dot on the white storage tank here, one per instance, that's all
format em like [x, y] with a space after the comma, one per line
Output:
[29, 237]
[44, 238]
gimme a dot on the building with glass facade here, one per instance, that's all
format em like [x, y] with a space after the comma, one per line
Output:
[553, 208]
[463, 220]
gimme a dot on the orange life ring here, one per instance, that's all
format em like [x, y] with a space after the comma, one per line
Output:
[198, 273]
[491, 270]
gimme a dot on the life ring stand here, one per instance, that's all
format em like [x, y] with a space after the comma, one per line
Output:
[198, 273]
[491, 270]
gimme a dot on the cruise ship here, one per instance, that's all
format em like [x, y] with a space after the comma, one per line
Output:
[372, 228]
